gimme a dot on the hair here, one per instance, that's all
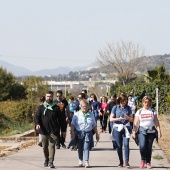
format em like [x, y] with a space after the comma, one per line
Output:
[49, 92]
[84, 90]
[105, 98]
[60, 92]
[122, 97]
[95, 97]
[147, 98]
[114, 95]
[42, 98]
[82, 95]
[84, 101]
[71, 98]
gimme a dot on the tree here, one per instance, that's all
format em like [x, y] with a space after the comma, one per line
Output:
[6, 82]
[123, 58]
[35, 87]
[158, 74]
[10, 89]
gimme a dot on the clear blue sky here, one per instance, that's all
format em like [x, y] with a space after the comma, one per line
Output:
[39, 34]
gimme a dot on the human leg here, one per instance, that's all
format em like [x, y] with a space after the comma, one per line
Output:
[105, 122]
[142, 145]
[80, 148]
[118, 139]
[45, 144]
[126, 150]
[101, 122]
[149, 143]
[52, 148]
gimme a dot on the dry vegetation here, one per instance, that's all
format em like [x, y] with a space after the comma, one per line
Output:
[165, 140]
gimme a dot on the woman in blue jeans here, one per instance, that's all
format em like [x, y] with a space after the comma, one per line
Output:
[121, 116]
[84, 122]
[145, 132]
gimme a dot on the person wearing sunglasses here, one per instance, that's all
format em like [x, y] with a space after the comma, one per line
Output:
[64, 107]
[121, 116]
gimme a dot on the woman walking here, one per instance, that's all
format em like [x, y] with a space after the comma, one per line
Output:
[84, 122]
[103, 113]
[121, 116]
[144, 130]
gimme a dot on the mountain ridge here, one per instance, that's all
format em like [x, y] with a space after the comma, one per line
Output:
[149, 63]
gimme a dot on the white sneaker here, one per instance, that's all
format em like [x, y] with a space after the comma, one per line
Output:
[87, 165]
[80, 163]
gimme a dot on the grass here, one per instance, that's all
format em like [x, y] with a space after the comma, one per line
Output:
[16, 129]
[158, 157]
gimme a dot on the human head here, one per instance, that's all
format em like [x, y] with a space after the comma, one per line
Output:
[93, 97]
[104, 99]
[59, 94]
[122, 100]
[113, 97]
[84, 105]
[130, 97]
[132, 93]
[85, 92]
[42, 99]
[146, 102]
[71, 99]
[81, 96]
[49, 97]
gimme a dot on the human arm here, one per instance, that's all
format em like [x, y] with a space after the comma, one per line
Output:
[37, 118]
[96, 132]
[135, 127]
[72, 132]
[156, 121]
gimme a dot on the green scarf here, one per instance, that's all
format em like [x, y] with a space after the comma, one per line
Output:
[47, 106]
[85, 116]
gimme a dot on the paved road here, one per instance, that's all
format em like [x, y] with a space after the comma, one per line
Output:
[102, 157]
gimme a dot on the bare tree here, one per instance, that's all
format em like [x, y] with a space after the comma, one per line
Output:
[123, 57]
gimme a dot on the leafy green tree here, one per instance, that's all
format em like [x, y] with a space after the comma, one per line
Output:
[6, 82]
[35, 87]
[157, 75]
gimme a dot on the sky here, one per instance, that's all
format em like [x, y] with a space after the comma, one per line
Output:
[45, 34]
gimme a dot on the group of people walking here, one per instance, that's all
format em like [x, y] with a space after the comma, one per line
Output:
[119, 114]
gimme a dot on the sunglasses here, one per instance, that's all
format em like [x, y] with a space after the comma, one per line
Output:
[58, 96]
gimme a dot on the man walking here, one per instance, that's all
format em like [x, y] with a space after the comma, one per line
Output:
[48, 120]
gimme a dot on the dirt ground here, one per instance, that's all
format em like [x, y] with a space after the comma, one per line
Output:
[165, 129]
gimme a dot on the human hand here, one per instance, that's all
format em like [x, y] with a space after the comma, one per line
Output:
[97, 136]
[134, 135]
[64, 134]
[37, 127]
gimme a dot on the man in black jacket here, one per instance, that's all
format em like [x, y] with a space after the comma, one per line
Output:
[48, 120]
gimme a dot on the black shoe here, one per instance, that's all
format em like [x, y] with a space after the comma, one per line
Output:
[50, 165]
[58, 146]
[64, 146]
[46, 163]
[40, 144]
[120, 165]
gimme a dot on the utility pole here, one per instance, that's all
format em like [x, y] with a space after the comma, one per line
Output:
[157, 100]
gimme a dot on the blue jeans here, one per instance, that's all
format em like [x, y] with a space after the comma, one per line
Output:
[145, 145]
[84, 145]
[113, 142]
[120, 140]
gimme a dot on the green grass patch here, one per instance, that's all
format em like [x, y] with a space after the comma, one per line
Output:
[158, 157]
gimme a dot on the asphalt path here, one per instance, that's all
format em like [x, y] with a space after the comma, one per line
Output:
[102, 157]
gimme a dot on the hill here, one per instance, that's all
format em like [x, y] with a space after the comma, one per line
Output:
[148, 63]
